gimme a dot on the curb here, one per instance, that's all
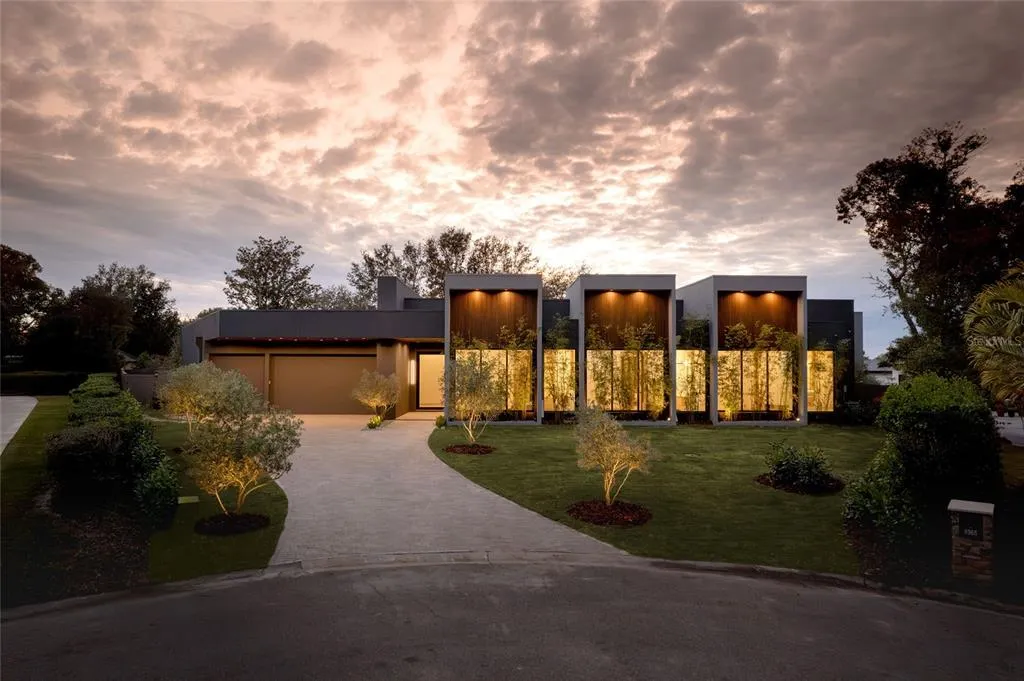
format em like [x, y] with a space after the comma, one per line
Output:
[357, 562]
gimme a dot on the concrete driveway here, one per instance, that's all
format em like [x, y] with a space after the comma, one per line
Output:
[357, 491]
[13, 412]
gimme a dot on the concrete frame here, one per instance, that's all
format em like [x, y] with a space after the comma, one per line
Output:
[576, 293]
[499, 282]
[703, 296]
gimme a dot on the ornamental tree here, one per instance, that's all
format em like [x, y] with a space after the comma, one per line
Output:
[603, 444]
[242, 451]
[199, 392]
[377, 392]
[474, 392]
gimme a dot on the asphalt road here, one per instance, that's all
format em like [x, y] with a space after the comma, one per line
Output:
[515, 622]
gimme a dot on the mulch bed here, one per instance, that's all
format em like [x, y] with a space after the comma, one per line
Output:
[620, 513]
[76, 551]
[473, 449]
[232, 523]
[834, 485]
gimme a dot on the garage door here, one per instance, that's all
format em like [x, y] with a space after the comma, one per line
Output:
[250, 366]
[318, 384]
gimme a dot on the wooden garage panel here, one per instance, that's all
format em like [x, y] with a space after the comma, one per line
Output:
[250, 366]
[318, 384]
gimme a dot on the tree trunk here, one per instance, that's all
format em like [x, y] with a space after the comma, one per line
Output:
[897, 285]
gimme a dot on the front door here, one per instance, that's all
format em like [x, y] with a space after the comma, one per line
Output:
[429, 373]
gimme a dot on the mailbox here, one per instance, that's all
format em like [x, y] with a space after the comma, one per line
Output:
[971, 525]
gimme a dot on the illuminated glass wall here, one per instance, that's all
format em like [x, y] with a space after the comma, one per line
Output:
[626, 380]
[820, 380]
[757, 381]
[559, 380]
[691, 380]
[513, 369]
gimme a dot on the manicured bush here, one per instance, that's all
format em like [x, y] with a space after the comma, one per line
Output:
[374, 422]
[40, 382]
[121, 406]
[440, 421]
[96, 385]
[945, 437]
[157, 493]
[88, 454]
[806, 469]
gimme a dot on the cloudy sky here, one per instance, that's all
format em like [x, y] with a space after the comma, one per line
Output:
[689, 138]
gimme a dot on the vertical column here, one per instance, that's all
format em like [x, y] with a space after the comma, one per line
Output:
[713, 356]
[539, 354]
[672, 355]
[801, 325]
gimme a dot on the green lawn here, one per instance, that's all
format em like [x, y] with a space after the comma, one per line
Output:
[180, 553]
[22, 465]
[705, 503]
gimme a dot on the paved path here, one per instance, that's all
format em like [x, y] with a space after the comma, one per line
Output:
[13, 412]
[1012, 428]
[358, 491]
[526, 621]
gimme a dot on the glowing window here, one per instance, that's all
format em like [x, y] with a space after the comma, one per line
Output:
[691, 382]
[820, 380]
[559, 380]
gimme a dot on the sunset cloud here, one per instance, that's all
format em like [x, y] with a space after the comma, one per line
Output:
[688, 138]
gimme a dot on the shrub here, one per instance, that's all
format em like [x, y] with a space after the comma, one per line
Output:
[243, 451]
[805, 469]
[88, 407]
[88, 454]
[440, 421]
[202, 391]
[860, 412]
[157, 493]
[377, 392]
[96, 385]
[884, 517]
[945, 437]
[374, 422]
[941, 443]
[602, 444]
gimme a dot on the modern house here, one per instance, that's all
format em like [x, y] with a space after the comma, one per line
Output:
[725, 349]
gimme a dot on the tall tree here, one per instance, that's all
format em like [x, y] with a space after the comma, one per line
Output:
[383, 261]
[558, 279]
[423, 265]
[24, 297]
[81, 332]
[340, 297]
[154, 320]
[444, 254]
[270, 276]
[943, 239]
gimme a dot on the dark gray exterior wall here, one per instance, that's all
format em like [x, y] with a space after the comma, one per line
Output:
[432, 304]
[205, 328]
[549, 309]
[830, 321]
[369, 324]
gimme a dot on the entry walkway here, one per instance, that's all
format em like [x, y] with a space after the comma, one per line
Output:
[13, 412]
[353, 491]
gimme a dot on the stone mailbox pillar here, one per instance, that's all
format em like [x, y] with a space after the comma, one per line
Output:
[971, 524]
